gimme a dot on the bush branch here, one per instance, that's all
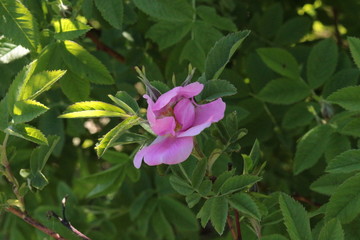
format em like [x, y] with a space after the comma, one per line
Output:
[24, 216]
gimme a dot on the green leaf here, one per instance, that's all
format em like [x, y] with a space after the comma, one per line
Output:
[343, 78]
[221, 53]
[74, 87]
[205, 187]
[112, 11]
[238, 183]
[192, 199]
[38, 159]
[194, 53]
[166, 34]
[27, 110]
[348, 98]
[321, 62]
[126, 102]
[114, 134]
[273, 237]
[328, 183]
[219, 212]
[180, 185]
[67, 29]
[284, 91]
[27, 132]
[345, 162]
[85, 65]
[311, 147]
[205, 35]
[220, 180]
[293, 30]
[105, 181]
[214, 89]
[271, 21]
[332, 230]
[344, 204]
[209, 15]
[93, 109]
[297, 115]
[139, 203]
[354, 44]
[162, 227]
[18, 24]
[295, 218]
[245, 204]
[4, 113]
[39, 83]
[205, 212]
[337, 144]
[10, 52]
[168, 10]
[280, 61]
[178, 214]
[199, 173]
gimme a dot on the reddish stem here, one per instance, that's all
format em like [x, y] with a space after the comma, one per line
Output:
[237, 222]
[231, 227]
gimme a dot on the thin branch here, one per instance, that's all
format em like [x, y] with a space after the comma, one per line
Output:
[24, 216]
[65, 222]
[92, 34]
[237, 222]
[231, 227]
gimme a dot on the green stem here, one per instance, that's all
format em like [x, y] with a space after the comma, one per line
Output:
[9, 175]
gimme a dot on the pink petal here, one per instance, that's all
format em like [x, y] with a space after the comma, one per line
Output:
[163, 126]
[167, 150]
[175, 94]
[205, 115]
[184, 112]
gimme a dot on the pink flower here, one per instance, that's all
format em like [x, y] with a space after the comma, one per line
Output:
[176, 119]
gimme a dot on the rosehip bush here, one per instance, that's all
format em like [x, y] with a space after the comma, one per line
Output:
[179, 119]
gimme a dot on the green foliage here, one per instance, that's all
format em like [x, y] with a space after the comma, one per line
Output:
[112, 11]
[347, 97]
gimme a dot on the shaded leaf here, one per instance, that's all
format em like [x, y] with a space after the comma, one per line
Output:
[332, 230]
[354, 44]
[238, 183]
[245, 204]
[219, 212]
[328, 183]
[345, 162]
[214, 89]
[348, 98]
[112, 11]
[209, 15]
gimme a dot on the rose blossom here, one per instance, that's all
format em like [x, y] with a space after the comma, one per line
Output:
[176, 119]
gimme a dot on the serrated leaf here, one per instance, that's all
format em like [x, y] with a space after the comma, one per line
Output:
[10, 52]
[354, 44]
[209, 15]
[114, 134]
[166, 34]
[321, 62]
[280, 61]
[238, 183]
[274, 237]
[38, 159]
[27, 110]
[112, 11]
[214, 89]
[311, 147]
[125, 101]
[194, 53]
[332, 230]
[19, 24]
[221, 180]
[178, 214]
[337, 144]
[27, 132]
[39, 83]
[205, 212]
[221, 53]
[93, 109]
[293, 30]
[343, 78]
[245, 204]
[345, 162]
[284, 91]
[328, 183]
[85, 65]
[219, 212]
[162, 226]
[295, 218]
[348, 98]
[297, 115]
[192, 199]
[180, 185]
[198, 173]
[205, 35]
[74, 87]
[139, 203]
[67, 29]
[344, 204]
[168, 10]
[205, 187]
